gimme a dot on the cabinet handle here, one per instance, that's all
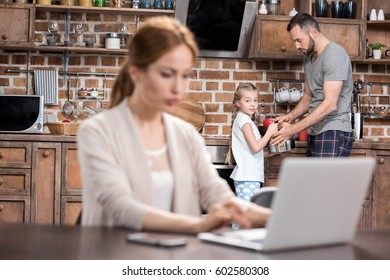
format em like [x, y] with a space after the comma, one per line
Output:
[1, 207]
[46, 154]
[283, 49]
[4, 37]
[381, 160]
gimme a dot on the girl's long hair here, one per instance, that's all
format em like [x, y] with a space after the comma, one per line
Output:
[237, 96]
[156, 36]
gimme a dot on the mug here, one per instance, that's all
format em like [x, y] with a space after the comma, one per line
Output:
[387, 53]
[283, 95]
[295, 95]
[337, 9]
[349, 9]
[321, 8]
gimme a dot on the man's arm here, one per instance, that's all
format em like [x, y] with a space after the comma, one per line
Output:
[332, 90]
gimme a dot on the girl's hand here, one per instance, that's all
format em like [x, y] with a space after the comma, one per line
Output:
[272, 128]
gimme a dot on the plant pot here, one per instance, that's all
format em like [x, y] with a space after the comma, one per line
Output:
[377, 54]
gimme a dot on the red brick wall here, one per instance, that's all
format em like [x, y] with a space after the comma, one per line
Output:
[212, 84]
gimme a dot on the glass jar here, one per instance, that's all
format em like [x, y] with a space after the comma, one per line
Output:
[67, 2]
[273, 7]
[113, 41]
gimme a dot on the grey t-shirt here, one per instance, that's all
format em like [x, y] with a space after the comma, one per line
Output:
[333, 64]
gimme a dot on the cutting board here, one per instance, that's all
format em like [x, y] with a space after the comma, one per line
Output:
[190, 111]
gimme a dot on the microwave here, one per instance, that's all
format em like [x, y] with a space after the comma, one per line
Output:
[21, 113]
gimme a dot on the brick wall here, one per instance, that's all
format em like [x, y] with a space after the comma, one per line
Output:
[212, 84]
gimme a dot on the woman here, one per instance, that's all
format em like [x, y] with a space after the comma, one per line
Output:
[143, 168]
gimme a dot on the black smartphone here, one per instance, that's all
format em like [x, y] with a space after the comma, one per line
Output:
[163, 241]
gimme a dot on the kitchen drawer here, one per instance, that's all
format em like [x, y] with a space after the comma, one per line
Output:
[70, 209]
[15, 154]
[15, 181]
[15, 209]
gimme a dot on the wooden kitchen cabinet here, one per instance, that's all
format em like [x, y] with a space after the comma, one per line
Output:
[270, 39]
[17, 25]
[14, 209]
[380, 193]
[71, 185]
[15, 181]
[45, 191]
[39, 179]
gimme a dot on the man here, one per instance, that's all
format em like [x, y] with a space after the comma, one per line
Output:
[328, 93]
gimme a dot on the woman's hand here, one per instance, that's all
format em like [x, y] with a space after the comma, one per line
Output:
[222, 215]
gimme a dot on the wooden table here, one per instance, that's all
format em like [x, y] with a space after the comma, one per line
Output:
[41, 242]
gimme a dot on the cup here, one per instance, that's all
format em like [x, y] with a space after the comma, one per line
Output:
[373, 15]
[387, 53]
[337, 9]
[283, 95]
[349, 9]
[89, 43]
[51, 41]
[295, 95]
[321, 8]
[146, 4]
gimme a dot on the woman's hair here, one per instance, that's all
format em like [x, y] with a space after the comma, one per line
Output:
[237, 96]
[155, 37]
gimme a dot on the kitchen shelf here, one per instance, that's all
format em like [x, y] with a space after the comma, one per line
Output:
[382, 24]
[376, 117]
[101, 10]
[61, 48]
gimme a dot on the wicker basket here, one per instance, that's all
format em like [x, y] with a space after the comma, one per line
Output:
[63, 128]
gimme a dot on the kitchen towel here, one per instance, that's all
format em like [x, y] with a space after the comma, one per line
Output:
[46, 84]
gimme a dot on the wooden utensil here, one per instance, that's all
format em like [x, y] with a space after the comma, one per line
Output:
[190, 111]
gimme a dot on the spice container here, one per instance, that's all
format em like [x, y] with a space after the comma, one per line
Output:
[113, 41]
[274, 7]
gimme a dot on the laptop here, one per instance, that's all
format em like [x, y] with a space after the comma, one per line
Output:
[318, 202]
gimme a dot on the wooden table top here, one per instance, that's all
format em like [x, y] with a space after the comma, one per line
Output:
[47, 242]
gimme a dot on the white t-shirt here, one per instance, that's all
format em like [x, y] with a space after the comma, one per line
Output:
[249, 166]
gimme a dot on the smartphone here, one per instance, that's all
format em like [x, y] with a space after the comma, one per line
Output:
[161, 241]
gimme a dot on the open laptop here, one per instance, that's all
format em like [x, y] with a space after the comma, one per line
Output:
[318, 202]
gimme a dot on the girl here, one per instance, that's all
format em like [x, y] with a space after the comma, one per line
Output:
[246, 144]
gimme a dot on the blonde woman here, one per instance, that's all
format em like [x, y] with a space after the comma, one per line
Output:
[246, 145]
[143, 168]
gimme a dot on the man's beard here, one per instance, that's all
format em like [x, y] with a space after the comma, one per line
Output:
[310, 48]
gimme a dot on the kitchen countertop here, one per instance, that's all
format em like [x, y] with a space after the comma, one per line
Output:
[218, 141]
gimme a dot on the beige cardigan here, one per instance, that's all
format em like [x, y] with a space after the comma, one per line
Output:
[116, 178]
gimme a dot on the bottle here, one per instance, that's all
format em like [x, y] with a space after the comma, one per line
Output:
[263, 9]
[293, 12]
[100, 3]
[136, 4]
[262, 115]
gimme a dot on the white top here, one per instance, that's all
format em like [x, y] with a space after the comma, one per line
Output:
[249, 166]
[162, 178]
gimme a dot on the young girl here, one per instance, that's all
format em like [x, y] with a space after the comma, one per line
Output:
[246, 144]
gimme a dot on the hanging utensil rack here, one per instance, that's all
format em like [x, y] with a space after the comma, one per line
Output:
[276, 84]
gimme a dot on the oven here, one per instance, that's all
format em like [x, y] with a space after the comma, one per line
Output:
[218, 154]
